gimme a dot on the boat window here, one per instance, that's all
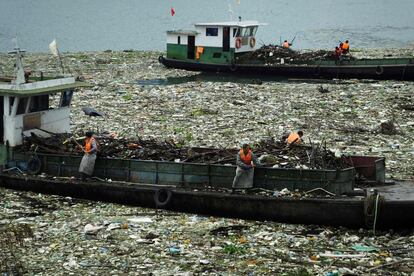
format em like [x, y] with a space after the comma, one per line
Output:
[217, 55]
[211, 31]
[66, 98]
[234, 31]
[21, 108]
[253, 31]
[246, 32]
[238, 32]
[179, 40]
[39, 103]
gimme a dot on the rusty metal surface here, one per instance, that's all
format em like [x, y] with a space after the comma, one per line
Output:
[370, 167]
[400, 191]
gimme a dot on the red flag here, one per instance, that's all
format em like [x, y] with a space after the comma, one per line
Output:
[172, 11]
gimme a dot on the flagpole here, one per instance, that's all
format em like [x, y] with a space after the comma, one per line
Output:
[172, 12]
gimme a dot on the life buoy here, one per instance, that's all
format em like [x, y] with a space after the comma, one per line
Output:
[162, 197]
[379, 70]
[252, 42]
[238, 42]
[34, 165]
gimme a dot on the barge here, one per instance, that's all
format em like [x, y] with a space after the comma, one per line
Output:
[204, 189]
[221, 46]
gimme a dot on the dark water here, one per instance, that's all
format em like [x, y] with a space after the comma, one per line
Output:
[88, 25]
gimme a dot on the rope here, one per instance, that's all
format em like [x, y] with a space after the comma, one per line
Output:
[375, 213]
[320, 189]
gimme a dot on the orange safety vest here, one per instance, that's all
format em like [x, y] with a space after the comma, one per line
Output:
[246, 159]
[199, 51]
[294, 138]
[345, 46]
[88, 144]
[285, 45]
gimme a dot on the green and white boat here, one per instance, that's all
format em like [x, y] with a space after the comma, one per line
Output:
[223, 46]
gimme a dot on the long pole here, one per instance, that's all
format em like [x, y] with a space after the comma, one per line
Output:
[60, 62]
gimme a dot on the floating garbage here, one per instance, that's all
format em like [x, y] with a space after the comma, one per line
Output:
[221, 114]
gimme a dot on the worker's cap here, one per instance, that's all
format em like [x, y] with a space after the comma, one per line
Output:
[89, 133]
[245, 145]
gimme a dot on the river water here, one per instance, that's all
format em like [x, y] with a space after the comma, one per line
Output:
[95, 25]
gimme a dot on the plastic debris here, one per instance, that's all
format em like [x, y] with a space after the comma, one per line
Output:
[348, 118]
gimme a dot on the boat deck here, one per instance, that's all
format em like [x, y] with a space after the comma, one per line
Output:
[400, 191]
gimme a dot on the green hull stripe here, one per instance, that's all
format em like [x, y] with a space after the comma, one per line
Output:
[213, 55]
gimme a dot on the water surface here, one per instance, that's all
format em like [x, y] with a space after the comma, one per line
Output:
[96, 25]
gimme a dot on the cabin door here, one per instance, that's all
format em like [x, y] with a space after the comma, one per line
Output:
[226, 39]
[191, 47]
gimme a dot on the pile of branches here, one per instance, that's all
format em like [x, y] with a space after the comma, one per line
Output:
[272, 54]
[270, 152]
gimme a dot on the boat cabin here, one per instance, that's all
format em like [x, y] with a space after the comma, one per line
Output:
[38, 105]
[216, 43]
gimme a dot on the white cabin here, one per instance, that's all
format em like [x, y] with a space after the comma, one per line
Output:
[215, 43]
[38, 106]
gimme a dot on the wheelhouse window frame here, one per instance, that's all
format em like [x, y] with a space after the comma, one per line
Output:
[212, 31]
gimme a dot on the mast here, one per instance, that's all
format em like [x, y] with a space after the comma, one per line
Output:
[19, 66]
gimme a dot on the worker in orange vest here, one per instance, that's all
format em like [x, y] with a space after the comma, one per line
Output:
[286, 44]
[338, 52]
[345, 47]
[87, 164]
[246, 162]
[199, 51]
[294, 138]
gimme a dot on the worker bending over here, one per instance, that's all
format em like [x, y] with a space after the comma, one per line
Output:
[246, 162]
[294, 138]
[345, 47]
[286, 44]
[338, 53]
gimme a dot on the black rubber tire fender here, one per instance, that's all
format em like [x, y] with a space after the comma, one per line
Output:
[162, 197]
[379, 70]
[160, 59]
[34, 165]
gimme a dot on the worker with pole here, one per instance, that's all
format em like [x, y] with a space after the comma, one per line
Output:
[87, 164]
[246, 162]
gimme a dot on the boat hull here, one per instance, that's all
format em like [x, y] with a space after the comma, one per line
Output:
[386, 71]
[338, 211]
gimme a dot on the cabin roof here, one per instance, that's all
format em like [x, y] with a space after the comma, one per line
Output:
[247, 23]
[182, 32]
[9, 91]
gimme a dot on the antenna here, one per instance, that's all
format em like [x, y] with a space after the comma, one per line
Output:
[14, 41]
